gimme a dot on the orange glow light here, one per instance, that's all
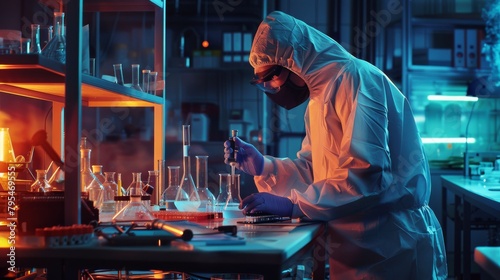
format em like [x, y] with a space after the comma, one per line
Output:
[205, 44]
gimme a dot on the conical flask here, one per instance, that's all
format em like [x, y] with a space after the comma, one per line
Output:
[41, 184]
[135, 210]
[206, 197]
[191, 203]
[170, 193]
[56, 47]
[136, 180]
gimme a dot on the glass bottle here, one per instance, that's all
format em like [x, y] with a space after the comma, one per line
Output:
[170, 193]
[41, 184]
[135, 77]
[97, 170]
[107, 210]
[206, 197]
[35, 39]
[89, 182]
[135, 210]
[56, 47]
[192, 202]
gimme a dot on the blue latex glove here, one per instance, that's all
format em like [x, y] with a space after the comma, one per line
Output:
[248, 159]
[267, 203]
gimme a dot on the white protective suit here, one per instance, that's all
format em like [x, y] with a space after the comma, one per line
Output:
[361, 167]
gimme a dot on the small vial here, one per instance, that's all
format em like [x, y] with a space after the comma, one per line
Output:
[232, 139]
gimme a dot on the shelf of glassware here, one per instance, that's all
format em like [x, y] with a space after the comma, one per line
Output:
[122, 6]
[35, 76]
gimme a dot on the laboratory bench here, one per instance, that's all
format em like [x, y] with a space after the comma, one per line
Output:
[266, 249]
[468, 194]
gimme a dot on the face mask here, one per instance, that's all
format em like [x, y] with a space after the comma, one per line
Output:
[289, 95]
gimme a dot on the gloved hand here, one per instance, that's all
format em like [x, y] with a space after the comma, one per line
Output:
[248, 159]
[267, 203]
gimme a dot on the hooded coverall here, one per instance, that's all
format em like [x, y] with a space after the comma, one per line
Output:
[361, 167]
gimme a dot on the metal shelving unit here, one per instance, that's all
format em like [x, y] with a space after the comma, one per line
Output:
[35, 76]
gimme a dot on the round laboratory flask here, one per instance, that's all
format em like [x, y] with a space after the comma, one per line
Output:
[206, 197]
[192, 202]
[41, 184]
[97, 170]
[172, 189]
[135, 210]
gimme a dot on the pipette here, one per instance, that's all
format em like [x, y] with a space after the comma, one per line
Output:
[232, 159]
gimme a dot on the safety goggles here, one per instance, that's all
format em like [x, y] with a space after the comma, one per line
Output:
[271, 80]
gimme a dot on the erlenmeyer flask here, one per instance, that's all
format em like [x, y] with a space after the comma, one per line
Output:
[136, 181]
[224, 185]
[89, 182]
[56, 47]
[206, 197]
[135, 210]
[170, 192]
[187, 183]
[41, 184]
[107, 210]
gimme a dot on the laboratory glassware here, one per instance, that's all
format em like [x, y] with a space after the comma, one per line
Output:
[233, 196]
[160, 183]
[121, 190]
[135, 77]
[150, 186]
[35, 39]
[6, 150]
[145, 80]
[118, 70]
[56, 47]
[41, 184]
[170, 193]
[192, 202]
[97, 170]
[135, 210]
[89, 182]
[153, 80]
[206, 197]
[224, 179]
[136, 181]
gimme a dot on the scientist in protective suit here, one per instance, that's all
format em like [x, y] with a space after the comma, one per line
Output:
[361, 168]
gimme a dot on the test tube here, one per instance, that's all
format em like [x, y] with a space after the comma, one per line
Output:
[153, 78]
[118, 73]
[92, 67]
[145, 80]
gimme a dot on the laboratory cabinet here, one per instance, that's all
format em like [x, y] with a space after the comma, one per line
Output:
[69, 91]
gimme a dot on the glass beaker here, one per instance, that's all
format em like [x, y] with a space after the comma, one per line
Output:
[118, 70]
[206, 197]
[173, 187]
[145, 80]
[35, 39]
[41, 184]
[56, 47]
[89, 182]
[153, 80]
[135, 210]
[135, 77]
[192, 202]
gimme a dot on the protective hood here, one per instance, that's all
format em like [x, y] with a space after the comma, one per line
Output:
[289, 42]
